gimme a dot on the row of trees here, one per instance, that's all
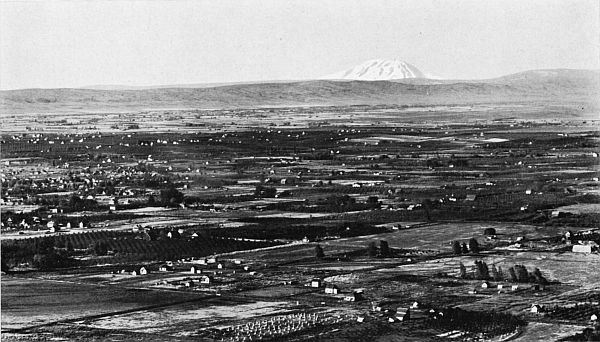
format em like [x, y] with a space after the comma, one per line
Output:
[473, 247]
[383, 251]
[489, 324]
[56, 252]
[517, 273]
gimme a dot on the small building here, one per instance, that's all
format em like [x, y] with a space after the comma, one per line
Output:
[403, 314]
[195, 270]
[315, 283]
[535, 308]
[350, 298]
[485, 285]
[331, 289]
[211, 260]
[594, 317]
[165, 268]
[356, 296]
[188, 283]
[135, 270]
[514, 287]
[500, 286]
[470, 197]
[206, 280]
[587, 248]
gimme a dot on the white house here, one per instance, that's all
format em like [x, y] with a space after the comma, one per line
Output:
[331, 289]
[403, 314]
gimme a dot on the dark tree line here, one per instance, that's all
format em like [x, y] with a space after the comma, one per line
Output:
[383, 251]
[516, 274]
[473, 247]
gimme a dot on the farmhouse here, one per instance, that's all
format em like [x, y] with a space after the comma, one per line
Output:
[206, 280]
[403, 314]
[356, 296]
[585, 248]
[138, 270]
[195, 269]
[165, 268]
[315, 283]
[535, 308]
[331, 289]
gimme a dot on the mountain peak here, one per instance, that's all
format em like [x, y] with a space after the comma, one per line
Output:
[379, 70]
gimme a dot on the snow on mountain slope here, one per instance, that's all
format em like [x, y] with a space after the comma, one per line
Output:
[378, 70]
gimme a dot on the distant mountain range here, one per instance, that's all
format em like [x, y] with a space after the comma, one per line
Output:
[555, 86]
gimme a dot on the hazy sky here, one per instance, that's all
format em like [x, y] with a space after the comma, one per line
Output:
[76, 43]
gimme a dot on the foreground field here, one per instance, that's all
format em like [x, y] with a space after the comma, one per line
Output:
[30, 302]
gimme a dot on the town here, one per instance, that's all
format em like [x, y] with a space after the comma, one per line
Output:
[322, 222]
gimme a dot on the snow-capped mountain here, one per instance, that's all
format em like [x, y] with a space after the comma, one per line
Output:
[378, 70]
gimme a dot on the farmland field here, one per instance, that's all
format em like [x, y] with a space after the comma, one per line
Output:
[32, 301]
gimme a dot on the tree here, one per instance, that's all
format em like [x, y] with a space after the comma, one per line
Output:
[372, 249]
[522, 273]
[319, 252]
[462, 271]
[49, 261]
[481, 270]
[384, 249]
[373, 202]
[465, 249]
[456, 247]
[264, 191]
[500, 274]
[151, 201]
[473, 245]
[171, 196]
[538, 277]
[512, 274]
[494, 273]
